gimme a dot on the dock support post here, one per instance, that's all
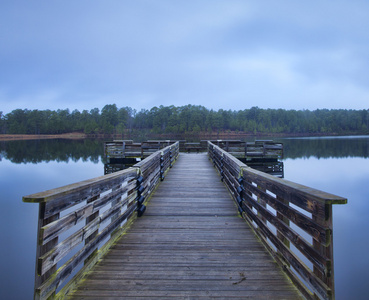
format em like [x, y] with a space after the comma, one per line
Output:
[161, 167]
[140, 198]
[240, 191]
[42, 249]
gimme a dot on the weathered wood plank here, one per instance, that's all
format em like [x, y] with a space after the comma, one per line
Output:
[319, 287]
[268, 204]
[163, 294]
[317, 231]
[55, 228]
[49, 286]
[190, 243]
[94, 183]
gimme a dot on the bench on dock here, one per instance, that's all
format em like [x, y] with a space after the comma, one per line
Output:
[189, 242]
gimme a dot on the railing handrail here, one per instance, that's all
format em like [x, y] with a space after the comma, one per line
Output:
[109, 200]
[42, 197]
[265, 201]
[119, 149]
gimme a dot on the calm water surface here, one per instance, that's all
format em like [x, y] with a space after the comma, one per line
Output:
[336, 165]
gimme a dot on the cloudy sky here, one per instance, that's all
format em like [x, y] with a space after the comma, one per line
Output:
[230, 54]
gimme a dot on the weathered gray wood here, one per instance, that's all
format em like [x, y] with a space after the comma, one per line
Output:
[316, 284]
[315, 257]
[320, 233]
[94, 183]
[41, 248]
[49, 286]
[55, 255]
[265, 201]
[110, 201]
[190, 243]
[54, 229]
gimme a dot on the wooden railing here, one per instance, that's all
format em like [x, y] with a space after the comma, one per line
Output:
[127, 149]
[79, 222]
[248, 150]
[122, 149]
[293, 221]
[263, 149]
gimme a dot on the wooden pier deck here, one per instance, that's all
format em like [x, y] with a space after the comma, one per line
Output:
[190, 244]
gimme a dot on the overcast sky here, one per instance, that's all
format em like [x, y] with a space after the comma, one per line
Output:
[230, 54]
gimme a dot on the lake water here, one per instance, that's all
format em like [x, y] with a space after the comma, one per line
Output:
[339, 165]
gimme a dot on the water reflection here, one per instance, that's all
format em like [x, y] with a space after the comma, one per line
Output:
[18, 220]
[326, 147]
[27, 167]
[60, 150]
[345, 177]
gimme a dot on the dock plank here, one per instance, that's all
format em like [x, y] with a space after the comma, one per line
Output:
[190, 244]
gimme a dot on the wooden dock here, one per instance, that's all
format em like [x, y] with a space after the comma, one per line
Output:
[185, 226]
[191, 243]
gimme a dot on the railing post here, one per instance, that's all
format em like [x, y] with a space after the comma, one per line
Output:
[43, 249]
[113, 203]
[170, 157]
[162, 166]
[140, 198]
[240, 191]
[327, 251]
[89, 219]
[262, 202]
[280, 236]
[221, 168]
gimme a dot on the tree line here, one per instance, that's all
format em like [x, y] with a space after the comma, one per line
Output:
[185, 119]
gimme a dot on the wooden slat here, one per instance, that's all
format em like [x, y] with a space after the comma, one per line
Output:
[189, 243]
[260, 190]
[318, 286]
[94, 183]
[54, 229]
[49, 286]
[317, 231]
[51, 258]
[315, 257]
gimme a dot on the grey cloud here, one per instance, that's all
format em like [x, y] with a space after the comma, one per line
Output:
[220, 54]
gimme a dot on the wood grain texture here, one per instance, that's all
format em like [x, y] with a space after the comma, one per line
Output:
[190, 244]
[270, 205]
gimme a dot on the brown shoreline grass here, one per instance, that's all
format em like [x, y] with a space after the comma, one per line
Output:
[15, 137]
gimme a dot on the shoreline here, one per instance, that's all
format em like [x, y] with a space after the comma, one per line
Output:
[18, 137]
[201, 135]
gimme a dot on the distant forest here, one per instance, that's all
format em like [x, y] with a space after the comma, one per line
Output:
[185, 119]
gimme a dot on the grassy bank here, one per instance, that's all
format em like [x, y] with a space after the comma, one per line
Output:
[14, 137]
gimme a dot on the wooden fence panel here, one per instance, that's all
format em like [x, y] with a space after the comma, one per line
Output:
[271, 205]
[106, 204]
